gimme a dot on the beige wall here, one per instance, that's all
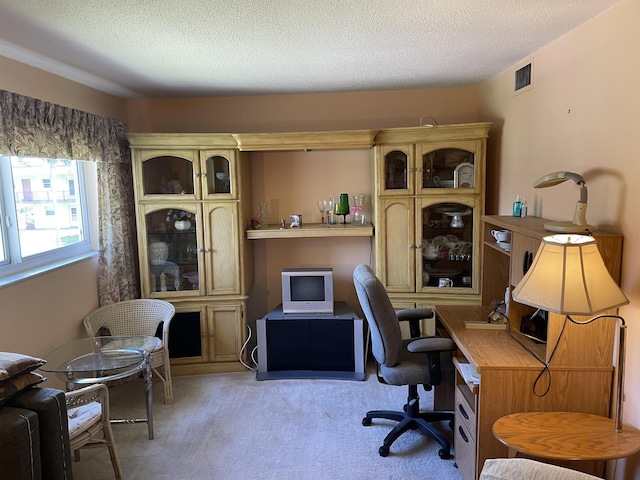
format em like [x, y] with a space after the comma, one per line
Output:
[295, 113]
[581, 116]
[38, 314]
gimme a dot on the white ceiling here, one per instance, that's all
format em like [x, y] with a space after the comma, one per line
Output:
[177, 48]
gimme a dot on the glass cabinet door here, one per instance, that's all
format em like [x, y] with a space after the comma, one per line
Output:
[218, 176]
[448, 168]
[396, 170]
[167, 175]
[448, 236]
[172, 251]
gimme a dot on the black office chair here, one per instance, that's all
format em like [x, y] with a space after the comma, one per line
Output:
[417, 361]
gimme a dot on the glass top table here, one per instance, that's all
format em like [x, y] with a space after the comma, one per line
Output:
[104, 359]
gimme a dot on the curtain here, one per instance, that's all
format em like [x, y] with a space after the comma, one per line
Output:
[34, 128]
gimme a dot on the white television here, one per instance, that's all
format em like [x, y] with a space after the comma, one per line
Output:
[307, 291]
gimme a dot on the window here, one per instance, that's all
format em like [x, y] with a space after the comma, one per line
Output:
[44, 211]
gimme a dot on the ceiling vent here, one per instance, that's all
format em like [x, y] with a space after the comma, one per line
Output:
[523, 78]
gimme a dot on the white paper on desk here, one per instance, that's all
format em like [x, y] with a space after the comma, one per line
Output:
[469, 373]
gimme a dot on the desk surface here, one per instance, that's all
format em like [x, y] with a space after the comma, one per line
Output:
[484, 348]
[566, 436]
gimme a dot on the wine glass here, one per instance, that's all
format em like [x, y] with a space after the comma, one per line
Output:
[322, 206]
[328, 209]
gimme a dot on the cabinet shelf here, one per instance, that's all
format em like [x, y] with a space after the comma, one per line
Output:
[494, 246]
[312, 230]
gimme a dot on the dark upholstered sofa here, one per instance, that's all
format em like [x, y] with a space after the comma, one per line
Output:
[34, 430]
[34, 436]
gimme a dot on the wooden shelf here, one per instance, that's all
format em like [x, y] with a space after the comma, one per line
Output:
[348, 139]
[312, 230]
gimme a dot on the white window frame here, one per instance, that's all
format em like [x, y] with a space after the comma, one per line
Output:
[14, 267]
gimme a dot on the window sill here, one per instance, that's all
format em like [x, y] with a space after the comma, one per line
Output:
[34, 272]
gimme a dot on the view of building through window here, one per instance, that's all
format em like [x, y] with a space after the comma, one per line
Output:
[41, 205]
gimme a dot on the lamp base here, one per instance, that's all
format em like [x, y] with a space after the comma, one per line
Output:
[568, 227]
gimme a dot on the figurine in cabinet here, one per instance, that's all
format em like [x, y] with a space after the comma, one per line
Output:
[170, 186]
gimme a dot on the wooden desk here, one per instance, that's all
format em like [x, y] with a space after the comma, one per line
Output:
[509, 384]
[565, 436]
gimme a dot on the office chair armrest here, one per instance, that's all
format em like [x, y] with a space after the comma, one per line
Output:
[409, 314]
[413, 316]
[431, 344]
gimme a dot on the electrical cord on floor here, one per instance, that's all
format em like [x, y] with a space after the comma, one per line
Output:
[242, 349]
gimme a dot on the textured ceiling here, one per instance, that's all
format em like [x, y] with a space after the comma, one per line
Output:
[175, 48]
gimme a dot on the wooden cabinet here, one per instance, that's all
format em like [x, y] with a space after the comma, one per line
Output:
[429, 198]
[572, 371]
[193, 205]
[504, 269]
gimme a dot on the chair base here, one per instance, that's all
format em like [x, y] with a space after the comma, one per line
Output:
[412, 419]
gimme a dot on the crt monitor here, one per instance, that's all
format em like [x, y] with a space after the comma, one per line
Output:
[307, 291]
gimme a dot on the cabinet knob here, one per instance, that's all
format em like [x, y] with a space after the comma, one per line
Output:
[207, 250]
[419, 246]
[204, 175]
[200, 250]
[196, 175]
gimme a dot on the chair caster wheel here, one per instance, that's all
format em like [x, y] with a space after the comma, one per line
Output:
[383, 451]
[444, 454]
[366, 421]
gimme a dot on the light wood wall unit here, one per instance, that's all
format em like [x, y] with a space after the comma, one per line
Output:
[429, 188]
[513, 379]
[203, 180]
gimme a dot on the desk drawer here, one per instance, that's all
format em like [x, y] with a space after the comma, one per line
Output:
[465, 452]
[466, 410]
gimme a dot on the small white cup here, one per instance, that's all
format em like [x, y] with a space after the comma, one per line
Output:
[501, 235]
[445, 282]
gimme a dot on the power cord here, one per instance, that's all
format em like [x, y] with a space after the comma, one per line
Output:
[545, 368]
[242, 349]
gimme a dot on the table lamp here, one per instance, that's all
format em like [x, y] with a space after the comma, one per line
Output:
[579, 223]
[569, 277]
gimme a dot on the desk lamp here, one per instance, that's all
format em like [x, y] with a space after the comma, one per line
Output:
[569, 277]
[579, 223]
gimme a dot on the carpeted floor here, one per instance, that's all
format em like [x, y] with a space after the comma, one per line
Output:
[230, 426]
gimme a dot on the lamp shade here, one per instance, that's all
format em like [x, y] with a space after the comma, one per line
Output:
[568, 276]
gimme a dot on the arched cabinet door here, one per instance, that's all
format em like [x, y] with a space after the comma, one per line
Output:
[448, 166]
[222, 253]
[448, 228]
[172, 261]
[396, 242]
[396, 170]
[166, 176]
[218, 176]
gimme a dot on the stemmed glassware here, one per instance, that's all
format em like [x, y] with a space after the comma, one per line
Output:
[322, 206]
[325, 207]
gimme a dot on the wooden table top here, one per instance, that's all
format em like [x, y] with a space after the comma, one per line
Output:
[566, 436]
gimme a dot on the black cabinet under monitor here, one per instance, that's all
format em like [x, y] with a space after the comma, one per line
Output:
[311, 345]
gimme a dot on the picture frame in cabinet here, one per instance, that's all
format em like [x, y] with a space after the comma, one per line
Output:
[464, 175]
